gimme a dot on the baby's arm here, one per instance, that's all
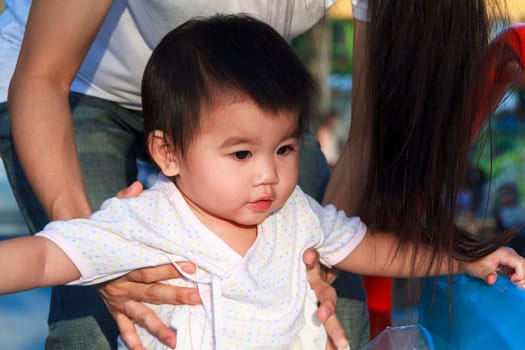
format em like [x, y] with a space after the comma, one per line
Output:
[30, 262]
[378, 254]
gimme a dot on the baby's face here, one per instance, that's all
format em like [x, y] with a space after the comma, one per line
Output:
[243, 164]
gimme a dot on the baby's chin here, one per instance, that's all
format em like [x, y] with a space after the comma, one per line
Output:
[248, 217]
[253, 219]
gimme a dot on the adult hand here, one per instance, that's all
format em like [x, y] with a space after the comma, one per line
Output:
[326, 295]
[125, 296]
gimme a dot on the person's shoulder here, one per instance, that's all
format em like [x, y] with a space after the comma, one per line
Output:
[300, 197]
[300, 201]
[155, 195]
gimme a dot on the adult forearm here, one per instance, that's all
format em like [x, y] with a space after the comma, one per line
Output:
[45, 143]
[57, 37]
[347, 186]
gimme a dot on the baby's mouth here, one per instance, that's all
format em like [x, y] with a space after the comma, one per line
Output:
[261, 205]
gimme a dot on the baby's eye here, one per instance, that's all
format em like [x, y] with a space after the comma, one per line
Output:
[241, 155]
[285, 150]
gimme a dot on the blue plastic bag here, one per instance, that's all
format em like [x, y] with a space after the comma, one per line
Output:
[478, 317]
[411, 337]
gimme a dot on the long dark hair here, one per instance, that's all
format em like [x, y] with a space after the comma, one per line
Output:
[425, 84]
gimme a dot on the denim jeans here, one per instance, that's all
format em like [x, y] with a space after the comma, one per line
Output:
[109, 141]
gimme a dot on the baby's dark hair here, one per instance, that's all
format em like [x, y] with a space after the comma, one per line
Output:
[207, 59]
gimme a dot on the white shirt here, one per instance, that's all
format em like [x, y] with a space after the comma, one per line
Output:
[113, 67]
[252, 301]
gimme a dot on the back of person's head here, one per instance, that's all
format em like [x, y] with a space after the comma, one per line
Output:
[218, 59]
[426, 85]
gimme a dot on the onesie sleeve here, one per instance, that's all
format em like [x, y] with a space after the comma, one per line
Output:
[340, 234]
[110, 243]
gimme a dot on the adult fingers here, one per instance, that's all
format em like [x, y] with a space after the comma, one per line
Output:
[326, 297]
[336, 335]
[138, 313]
[324, 292]
[311, 259]
[159, 273]
[132, 190]
[330, 275]
[127, 330]
[116, 293]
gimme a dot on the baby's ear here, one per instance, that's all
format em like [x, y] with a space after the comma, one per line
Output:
[163, 153]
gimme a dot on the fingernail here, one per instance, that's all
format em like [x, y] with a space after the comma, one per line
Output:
[194, 297]
[172, 342]
[309, 257]
[344, 346]
[187, 267]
